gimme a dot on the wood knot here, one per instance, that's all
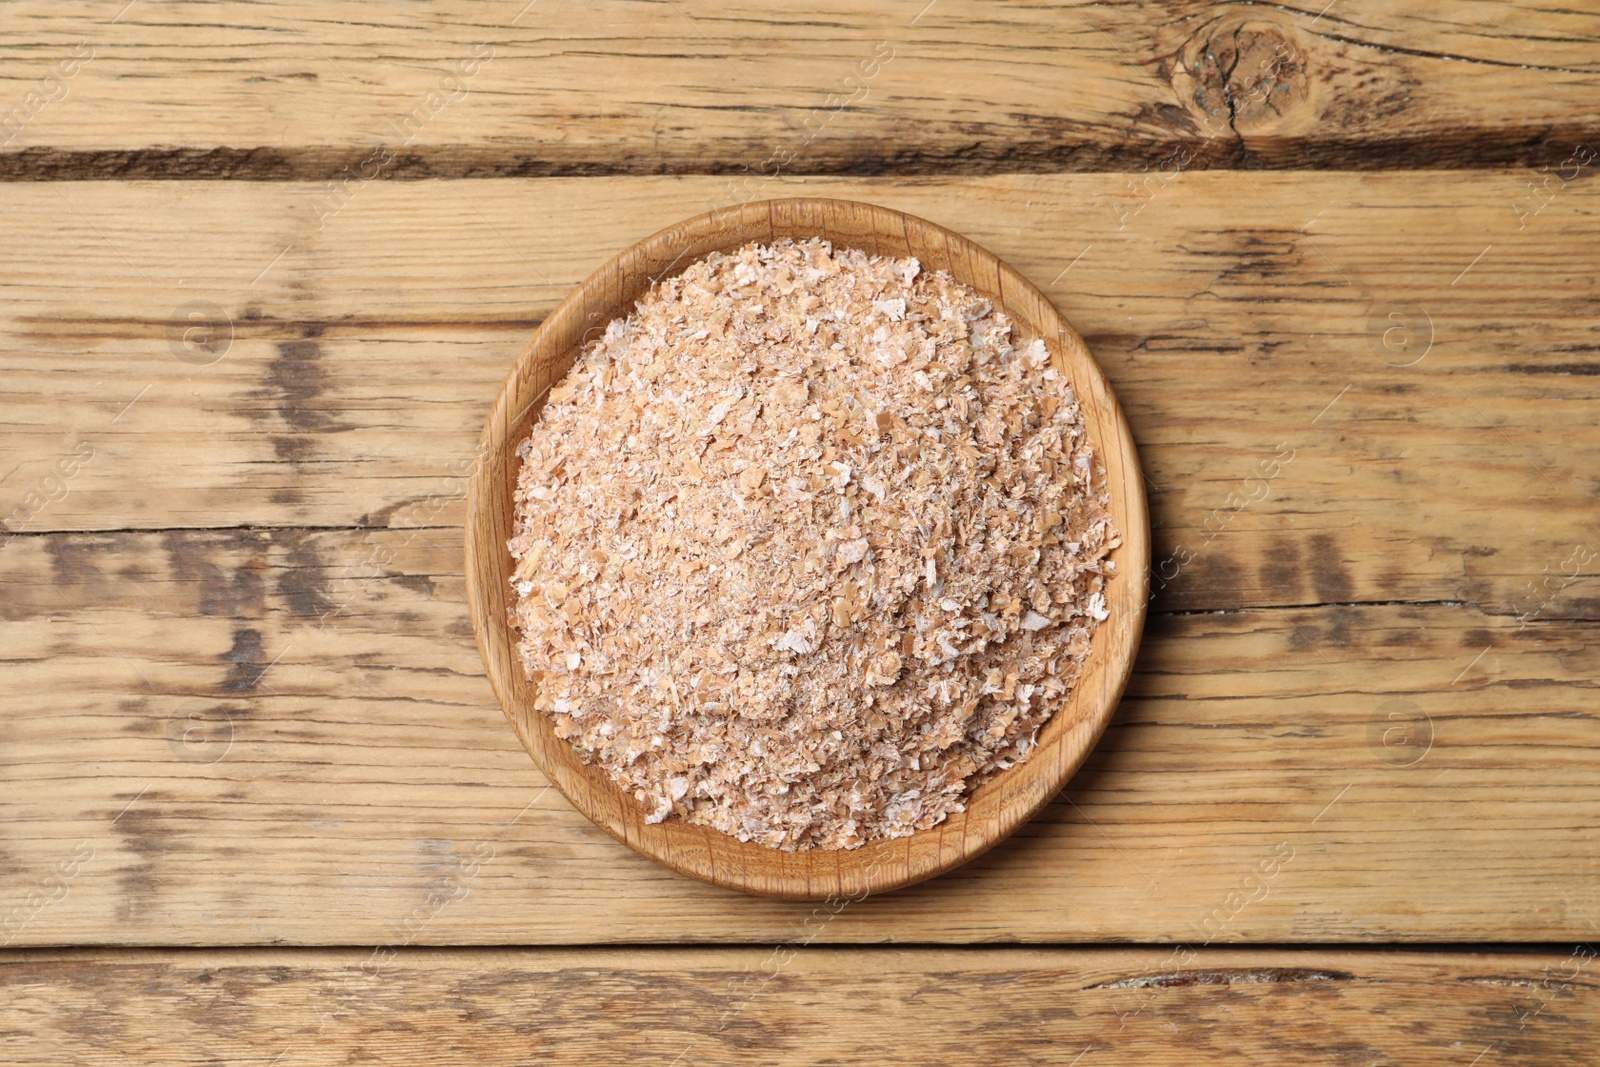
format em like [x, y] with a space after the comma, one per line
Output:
[1245, 76]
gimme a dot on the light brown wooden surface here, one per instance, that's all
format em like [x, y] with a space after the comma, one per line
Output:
[792, 1004]
[239, 699]
[1231, 311]
[349, 759]
[295, 88]
[995, 809]
[355, 385]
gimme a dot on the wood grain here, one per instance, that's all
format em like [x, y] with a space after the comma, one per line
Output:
[995, 809]
[790, 1004]
[296, 89]
[241, 702]
[1238, 316]
[285, 737]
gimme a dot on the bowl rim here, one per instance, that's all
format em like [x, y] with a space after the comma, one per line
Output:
[996, 808]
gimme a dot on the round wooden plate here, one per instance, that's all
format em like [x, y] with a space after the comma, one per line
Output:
[995, 808]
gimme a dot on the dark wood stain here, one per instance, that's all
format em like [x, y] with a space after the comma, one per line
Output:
[1217, 579]
[142, 834]
[247, 664]
[1263, 262]
[1570, 369]
[1339, 627]
[382, 517]
[1303, 636]
[1580, 607]
[42, 163]
[1282, 576]
[1391, 580]
[967, 150]
[136, 572]
[238, 593]
[72, 561]
[292, 450]
[417, 583]
[139, 720]
[296, 382]
[303, 577]
[1401, 638]
[1329, 574]
[297, 376]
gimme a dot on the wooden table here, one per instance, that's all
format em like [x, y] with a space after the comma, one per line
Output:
[265, 265]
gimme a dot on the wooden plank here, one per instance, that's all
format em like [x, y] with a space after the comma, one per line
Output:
[794, 1005]
[284, 737]
[1242, 319]
[753, 87]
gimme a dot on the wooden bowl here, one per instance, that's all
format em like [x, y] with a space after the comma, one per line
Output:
[995, 808]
